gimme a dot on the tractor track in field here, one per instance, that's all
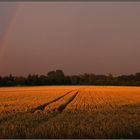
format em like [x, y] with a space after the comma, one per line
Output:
[62, 106]
[42, 106]
[58, 110]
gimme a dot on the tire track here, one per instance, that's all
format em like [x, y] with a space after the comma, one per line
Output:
[61, 107]
[42, 106]
[55, 111]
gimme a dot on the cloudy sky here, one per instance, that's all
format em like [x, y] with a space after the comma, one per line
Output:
[77, 37]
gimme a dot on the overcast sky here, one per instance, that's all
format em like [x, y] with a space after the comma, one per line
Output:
[76, 37]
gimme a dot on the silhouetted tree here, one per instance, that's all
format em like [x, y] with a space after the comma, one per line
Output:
[58, 78]
[32, 80]
[75, 80]
[43, 80]
[20, 81]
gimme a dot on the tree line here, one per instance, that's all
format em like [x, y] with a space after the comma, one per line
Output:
[58, 77]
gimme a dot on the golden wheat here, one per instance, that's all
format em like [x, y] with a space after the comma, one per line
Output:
[70, 112]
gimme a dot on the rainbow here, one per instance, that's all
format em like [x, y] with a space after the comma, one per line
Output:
[6, 32]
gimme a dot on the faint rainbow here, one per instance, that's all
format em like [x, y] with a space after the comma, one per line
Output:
[6, 33]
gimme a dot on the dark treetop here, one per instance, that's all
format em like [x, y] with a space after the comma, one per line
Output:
[59, 78]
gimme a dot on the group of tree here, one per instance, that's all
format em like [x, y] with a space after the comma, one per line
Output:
[59, 78]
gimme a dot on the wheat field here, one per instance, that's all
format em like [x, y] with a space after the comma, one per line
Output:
[70, 112]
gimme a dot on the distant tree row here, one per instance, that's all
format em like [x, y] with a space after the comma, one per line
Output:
[59, 78]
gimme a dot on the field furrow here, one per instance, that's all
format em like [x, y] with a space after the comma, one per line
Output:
[45, 105]
[62, 103]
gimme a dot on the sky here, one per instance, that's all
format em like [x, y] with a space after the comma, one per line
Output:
[77, 37]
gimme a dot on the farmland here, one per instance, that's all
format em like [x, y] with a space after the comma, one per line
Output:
[70, 112]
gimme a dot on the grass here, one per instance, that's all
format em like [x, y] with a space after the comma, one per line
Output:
[72, 112]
